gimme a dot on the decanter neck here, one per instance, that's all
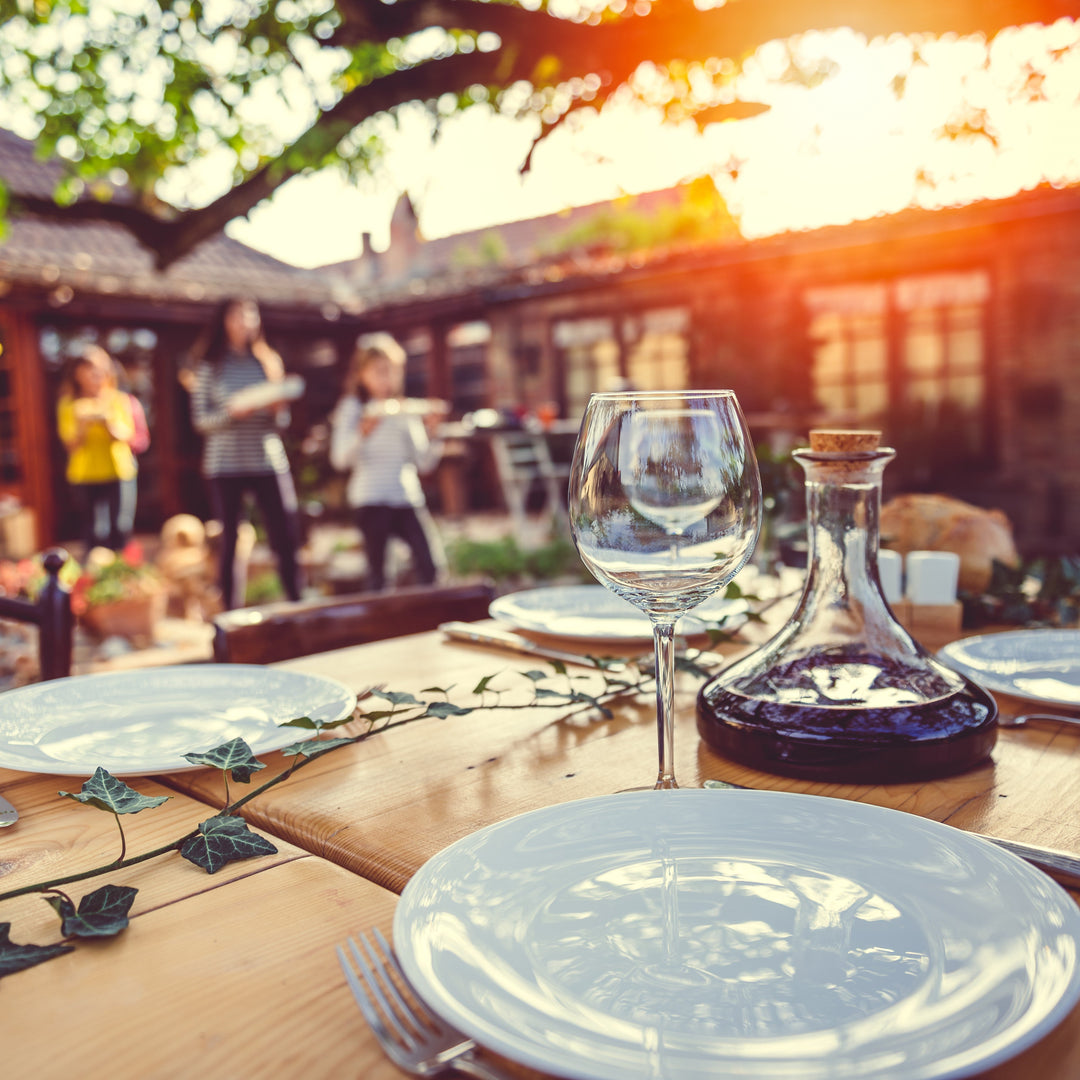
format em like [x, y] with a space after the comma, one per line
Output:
[843, 504]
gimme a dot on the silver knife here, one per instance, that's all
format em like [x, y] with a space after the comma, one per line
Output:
[503, 639]
[1063, 867]
[8, 814]
[1060, 865]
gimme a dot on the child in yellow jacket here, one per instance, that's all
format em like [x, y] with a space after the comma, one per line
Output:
[95, 424]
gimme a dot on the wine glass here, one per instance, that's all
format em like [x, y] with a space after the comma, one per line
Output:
[665, 503]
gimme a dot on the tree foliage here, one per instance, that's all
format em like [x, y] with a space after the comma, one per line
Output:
[131, 93]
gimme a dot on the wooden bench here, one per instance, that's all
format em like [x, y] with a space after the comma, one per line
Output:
[282, 631]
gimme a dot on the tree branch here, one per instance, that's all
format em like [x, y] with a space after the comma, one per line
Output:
[544, 50]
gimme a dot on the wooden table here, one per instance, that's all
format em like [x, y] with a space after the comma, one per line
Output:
[234, 974]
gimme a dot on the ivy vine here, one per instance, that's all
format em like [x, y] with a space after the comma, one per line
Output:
[225, 837]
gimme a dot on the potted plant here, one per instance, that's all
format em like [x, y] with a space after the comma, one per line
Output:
[119, 593]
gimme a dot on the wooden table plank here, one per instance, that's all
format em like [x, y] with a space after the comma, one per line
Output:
[382, 808]
[234, 981]
[263, 942]
[217, 976]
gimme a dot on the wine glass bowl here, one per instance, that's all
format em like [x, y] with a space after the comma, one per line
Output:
[665, 502]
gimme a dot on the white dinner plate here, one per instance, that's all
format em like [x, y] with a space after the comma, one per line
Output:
[134, 723]
[766, 935]
[593, 613]
[1043, 665]
[261, 395]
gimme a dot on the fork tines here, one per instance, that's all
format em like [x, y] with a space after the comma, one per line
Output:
[403, 1024]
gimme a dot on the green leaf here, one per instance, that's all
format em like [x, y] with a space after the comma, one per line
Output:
[18, 957]
[438, 689]
[302, 722]
[443, 709]
[378, 714]
[544, 691]
[104, 792]
[234, 756]
[483, 684]
[102, 913]
[396, 697]
[559, 666]
[313, 747]
[224, 839]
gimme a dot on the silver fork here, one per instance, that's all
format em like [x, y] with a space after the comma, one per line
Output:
[412, 1036]
[1023, 718]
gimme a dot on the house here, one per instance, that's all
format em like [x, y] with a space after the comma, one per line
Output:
[956, 331]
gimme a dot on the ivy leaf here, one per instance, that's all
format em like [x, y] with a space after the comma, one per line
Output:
[545, 691]
[438, 689]
[302, 722]
[483, 684]
[313, 748]
[104, 792]
[443, 709]
[224, 839]
[19, 957]
[536, 676]
[559, 666]
[102, 913]
[396, 697]
[234, 756]
[378, 714]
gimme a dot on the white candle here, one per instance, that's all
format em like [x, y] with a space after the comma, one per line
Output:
[932, 576]
[891, 571]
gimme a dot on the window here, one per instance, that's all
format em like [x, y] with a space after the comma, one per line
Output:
[590, 359]
[908, 355]
[657, 360]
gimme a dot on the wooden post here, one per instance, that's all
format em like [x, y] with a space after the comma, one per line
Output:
[55, 621]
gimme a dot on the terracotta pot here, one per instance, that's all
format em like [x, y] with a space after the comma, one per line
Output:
[132, 618]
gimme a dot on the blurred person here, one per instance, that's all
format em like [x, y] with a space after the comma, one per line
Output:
[385, 445]
[116, 377]
[243, 451]
[95, 424]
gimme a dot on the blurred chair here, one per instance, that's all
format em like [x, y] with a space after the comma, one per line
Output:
[521, 459]
[282, 631]
[51, 614]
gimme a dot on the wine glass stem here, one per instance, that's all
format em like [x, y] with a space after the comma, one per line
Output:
[664, 643]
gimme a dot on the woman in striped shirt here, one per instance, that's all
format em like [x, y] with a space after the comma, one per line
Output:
[386, 447]
[242, 451]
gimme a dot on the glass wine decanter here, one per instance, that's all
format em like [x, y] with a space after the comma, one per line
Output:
[842, 692]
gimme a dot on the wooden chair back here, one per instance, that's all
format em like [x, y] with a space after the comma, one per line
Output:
[51, 613]
[282, 631]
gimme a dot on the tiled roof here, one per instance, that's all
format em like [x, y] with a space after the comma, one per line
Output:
[102, 258]
[435, 278]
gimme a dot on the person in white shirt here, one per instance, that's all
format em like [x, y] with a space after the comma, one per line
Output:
[385, 445]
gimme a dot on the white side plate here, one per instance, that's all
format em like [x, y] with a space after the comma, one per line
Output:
[138, 722]
[765, 935]
[593, 613]
[1043, 665]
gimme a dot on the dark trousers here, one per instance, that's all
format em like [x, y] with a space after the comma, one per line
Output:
[378, 524]
[276, 498]
[98, 507]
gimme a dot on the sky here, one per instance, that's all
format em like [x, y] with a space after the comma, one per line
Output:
[847, 149]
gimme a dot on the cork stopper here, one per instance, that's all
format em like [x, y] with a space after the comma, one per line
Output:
[843, 440]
